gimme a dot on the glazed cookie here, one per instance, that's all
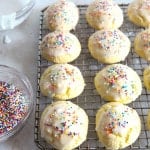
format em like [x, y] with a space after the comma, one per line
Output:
[62, 82]
[142, 44]
[62, 15]
[104, 14]
[109, 46]
[64, 125]
[139, 12]
[117, 125]
[118, 83]
[60, 47]
[146, 77]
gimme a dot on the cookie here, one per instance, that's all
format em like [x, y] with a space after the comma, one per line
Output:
[64, 125]
[117, 125]
[63, 15]
[62, 82]
[142, 44]
[139, 12]
[60, 47]
[104, 14]
[118, 83]
[109, 46]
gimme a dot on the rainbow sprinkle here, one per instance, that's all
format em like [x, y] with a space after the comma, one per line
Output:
[13, 107]
[116, 120]
[62, 40]
[118, 79]
[60, 11]
[68, 119]
[104, 5]
[62, 73]
[109, 39]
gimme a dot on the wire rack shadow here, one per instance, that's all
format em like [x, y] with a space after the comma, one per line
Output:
[89, 99]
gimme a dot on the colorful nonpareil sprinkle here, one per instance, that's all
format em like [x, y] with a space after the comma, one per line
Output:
[109, 39]
[13, 107]
[58, 40]
[61, 10]
[64, 121]
[117, 79]
[117, 120]
[102, 7]
[62, 73]
[115, 73]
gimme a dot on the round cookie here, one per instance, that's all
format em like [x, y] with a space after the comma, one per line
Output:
[139, 12]
[60, 47]
[118, 83]
[109, 46]
[146, 77]
[64, 125]
[62, 82]
[62, 15]
[104, 14]
[142, 44]
[117, 125]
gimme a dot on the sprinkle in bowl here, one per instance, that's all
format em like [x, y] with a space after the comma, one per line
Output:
[16, 101]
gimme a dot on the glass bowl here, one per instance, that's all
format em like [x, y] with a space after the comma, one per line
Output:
[16, 101]
[14, 12]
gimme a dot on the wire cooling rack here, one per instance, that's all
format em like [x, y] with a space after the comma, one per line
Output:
[89, 100]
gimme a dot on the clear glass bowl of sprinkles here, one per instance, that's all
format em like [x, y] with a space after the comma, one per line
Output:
[16, 101]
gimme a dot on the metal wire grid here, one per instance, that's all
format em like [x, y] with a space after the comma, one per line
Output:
[89, 100]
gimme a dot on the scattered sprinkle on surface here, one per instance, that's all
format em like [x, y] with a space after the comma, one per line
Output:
[117, 119]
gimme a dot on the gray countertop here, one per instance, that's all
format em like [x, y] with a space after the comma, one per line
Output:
[21, 54]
